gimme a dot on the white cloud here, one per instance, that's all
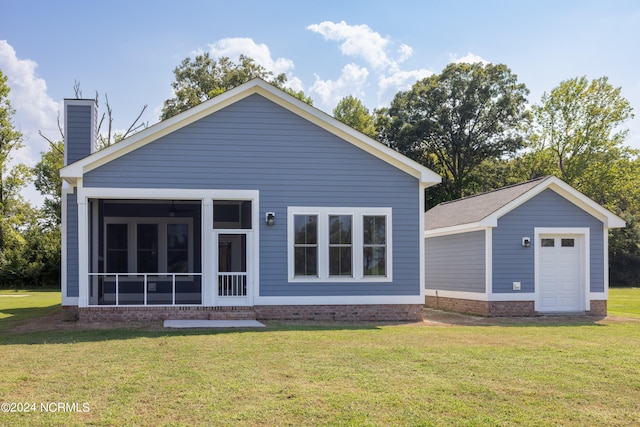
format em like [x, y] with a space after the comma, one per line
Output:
[405, 52]
[399, 81]
[234, 47]
[34, 109]
[358, 41]
[351, 82]
[469, 58]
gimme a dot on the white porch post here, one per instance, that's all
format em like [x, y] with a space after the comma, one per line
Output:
[83, 250]
[208, 277]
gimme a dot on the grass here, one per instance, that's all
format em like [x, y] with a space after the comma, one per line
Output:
[624, 302]
[531, 372]
[19, 305]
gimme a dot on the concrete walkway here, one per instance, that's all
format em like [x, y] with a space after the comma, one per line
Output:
[212, 324]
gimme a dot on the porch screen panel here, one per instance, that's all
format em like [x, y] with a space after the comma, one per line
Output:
[117, 248]
[147, 236]
[177, 248]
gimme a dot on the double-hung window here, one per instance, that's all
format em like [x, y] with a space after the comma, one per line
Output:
[339, 244]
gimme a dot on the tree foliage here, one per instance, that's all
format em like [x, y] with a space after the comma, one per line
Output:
[48, 182]
[456, 120]
[577, 134]
[351, 111]
[202, 78]
[10, 140]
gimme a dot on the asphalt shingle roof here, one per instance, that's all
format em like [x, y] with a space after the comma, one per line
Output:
[472, 209]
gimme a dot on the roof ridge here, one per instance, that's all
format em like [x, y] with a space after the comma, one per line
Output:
[542, 178]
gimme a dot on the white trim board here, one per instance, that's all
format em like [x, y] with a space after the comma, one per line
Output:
[255, 86]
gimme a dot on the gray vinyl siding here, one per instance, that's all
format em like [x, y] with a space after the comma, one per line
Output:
[512, 262]
[255, 144]
[72, 245]
[79, 127]
[456, 262]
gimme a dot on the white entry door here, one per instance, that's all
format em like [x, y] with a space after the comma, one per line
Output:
[560, 273]
[233, 275]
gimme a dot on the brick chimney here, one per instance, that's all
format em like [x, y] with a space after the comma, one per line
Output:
[80, 133]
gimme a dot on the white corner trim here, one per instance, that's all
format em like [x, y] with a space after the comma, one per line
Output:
[481, 296]
[474, 296]
[339, 300]
[457, 229]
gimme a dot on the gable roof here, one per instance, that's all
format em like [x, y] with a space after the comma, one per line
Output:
[483, 210]
[427, 177]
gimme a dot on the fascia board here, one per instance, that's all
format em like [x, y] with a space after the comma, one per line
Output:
[609, 219]
[154, 132]
[261, 87]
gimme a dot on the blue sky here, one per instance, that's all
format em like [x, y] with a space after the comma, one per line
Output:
[329, 49]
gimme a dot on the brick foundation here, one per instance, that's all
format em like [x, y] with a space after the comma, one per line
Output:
[382, 312]
[598, 308]
[377, 312]
[456, 304]
[482, 308]
[70, 313]
[146, 314]
[500, 308]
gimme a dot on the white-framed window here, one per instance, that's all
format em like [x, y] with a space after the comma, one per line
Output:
[148, 245]
[339, 244]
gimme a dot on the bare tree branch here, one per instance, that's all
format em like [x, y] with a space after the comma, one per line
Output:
[77, 90]
[53, 144]
[132, 128]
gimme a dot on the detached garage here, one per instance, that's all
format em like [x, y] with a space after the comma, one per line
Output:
[535, 248]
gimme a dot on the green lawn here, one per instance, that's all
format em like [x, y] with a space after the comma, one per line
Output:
[16, 306]
[624, 302]
[488, 372]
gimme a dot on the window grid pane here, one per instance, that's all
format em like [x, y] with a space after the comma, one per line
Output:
[306, 245]
[375, 248]
[340, 250]
[547, 243]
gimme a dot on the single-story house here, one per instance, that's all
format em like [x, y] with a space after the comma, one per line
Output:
[251, 204]
[533, 248]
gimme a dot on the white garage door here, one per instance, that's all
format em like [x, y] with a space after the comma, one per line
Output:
[560, 277]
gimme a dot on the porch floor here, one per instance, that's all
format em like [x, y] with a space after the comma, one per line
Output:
[212, 324]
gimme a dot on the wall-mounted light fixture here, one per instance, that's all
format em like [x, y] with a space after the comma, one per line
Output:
[526, 242]
[270, 218]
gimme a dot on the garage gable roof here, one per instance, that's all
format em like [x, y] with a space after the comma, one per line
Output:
[258, 86]
[483, 210]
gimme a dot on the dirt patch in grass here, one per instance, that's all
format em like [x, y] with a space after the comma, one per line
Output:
[432, 318]
[54, 322]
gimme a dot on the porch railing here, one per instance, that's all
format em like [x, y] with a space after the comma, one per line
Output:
[232, 284]
[145, 288]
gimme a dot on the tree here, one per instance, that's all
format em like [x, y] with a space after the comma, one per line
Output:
[202, 78]
[48, 182]
[577, 135]
[10, 139]
[454, 121]
[351, 111]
